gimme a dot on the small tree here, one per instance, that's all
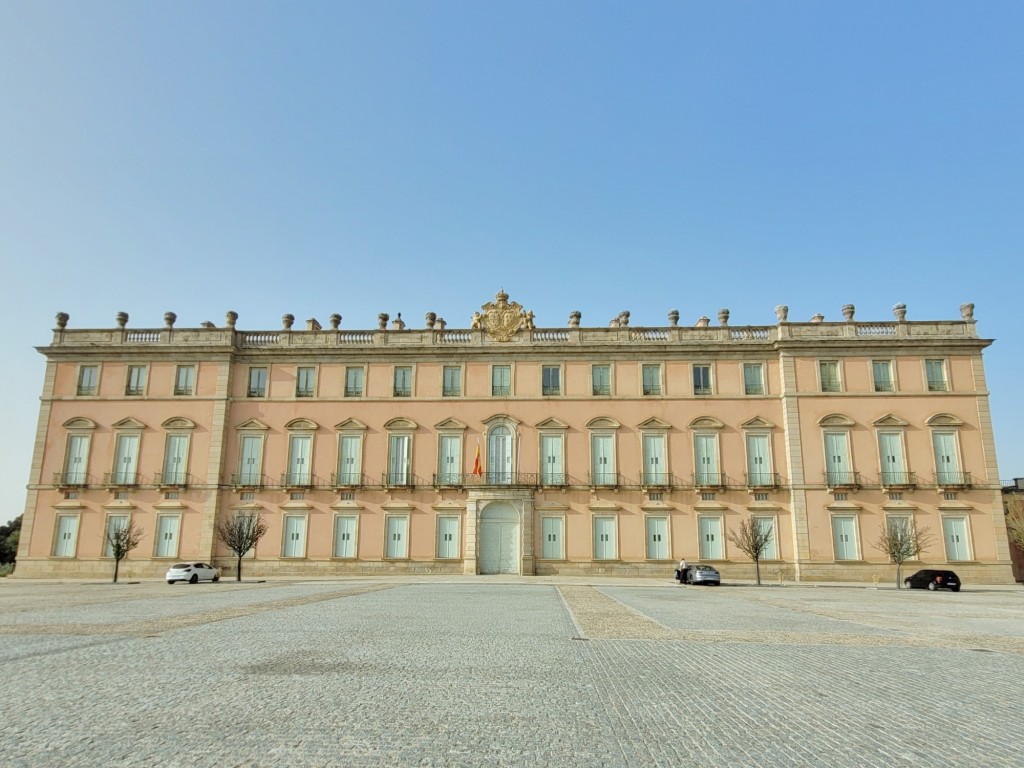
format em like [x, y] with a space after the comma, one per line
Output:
[901, 540]
[753, 539]
[122, 540]
[1015, 519]
[240, 533]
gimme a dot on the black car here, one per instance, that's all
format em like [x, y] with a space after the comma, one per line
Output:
[932, 579]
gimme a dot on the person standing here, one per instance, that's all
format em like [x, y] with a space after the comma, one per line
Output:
[681, 571]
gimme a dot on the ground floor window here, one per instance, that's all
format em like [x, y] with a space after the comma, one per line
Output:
[844, 537]
[552, 533]
[66, 540]
[397, 546]
[605, 545]
[657, 538]
[294, 536]
[345, 536]
[710, 538]
[447, 537]
[954, 532]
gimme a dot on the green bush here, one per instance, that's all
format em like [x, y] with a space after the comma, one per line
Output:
[6, 570]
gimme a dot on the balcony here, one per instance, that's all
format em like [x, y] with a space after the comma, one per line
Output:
[554, 480]
[490, 479]
[601, 390]
[842, 480]
[604, 479]
[709, 481]
[451, 392]
[171, 479]
[953, 481]
[401, 480]
[757, 481]
[121, 479]
[402, 391]
[353, 391]
[349, 480]
[248, 480]
[299, 480]
[658, 480]
[897, 481]
[70, 479]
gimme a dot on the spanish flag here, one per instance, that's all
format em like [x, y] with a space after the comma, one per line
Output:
[478, 469]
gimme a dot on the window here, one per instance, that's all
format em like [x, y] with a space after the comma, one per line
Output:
[552, 534]
[184, 380]
[651, 379]
[838, 467]
[399, 447]
[954, 533]
[828, 372]
[66, 539]
[901, 528]
[175, 459]
[604, 538]
[353, 381]
[76, 462]
[602, 460]
[947, 459]
[551, 380]
[753, 378]
[397, 532]
[447, 537]
[88, 380]
[706, 457]
[126, 457]
[350, 460]
[844, 537]
[451, 384]
[345, 536]
[499, 455]
[300, 469]
[501, 380]
[759, 461]
[114, 524]
[250, 464]
[657, 538]
[601, 379]
[167, 535]
[702, 379]
[449, 460]
[881, 371]
[936, 373]
[894, 467]
[403, 381]
[136, 383]
[552, 463]
[767, 526]
[305, 382]
[257, 382]
[294, 536]
[710, 529]
[655, 467]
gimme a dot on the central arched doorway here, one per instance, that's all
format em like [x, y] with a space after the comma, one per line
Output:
[499, 538]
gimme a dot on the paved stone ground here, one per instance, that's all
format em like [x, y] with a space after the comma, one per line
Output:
[499, 671]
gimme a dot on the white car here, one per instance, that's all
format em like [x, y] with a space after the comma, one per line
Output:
[192, 572]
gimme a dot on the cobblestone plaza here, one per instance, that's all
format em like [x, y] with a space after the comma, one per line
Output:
[465, 671]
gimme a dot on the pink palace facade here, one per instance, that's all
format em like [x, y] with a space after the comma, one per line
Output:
[511, 448]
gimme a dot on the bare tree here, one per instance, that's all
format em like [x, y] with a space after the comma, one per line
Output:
[240, 533]
[122, 540]
[901, 540]
[753, 539]
[1015, 519]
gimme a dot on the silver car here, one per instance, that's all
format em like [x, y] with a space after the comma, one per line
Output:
[192, 573]
[703, 574]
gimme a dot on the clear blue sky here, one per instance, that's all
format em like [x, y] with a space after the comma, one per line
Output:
[319, 157]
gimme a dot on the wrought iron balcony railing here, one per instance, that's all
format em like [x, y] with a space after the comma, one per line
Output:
[249, 480]
[709, 480]
[349, 480]
[401, 480]
[605, 479]
[842, 479]
[121, 479]
[70, 479]
[300, 480]
[890, 479]
[554, 480]
[762, 480]
[658, 480]
[171, 479]
[953, 479]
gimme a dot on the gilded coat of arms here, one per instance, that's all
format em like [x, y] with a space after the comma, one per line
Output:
[502, 318]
